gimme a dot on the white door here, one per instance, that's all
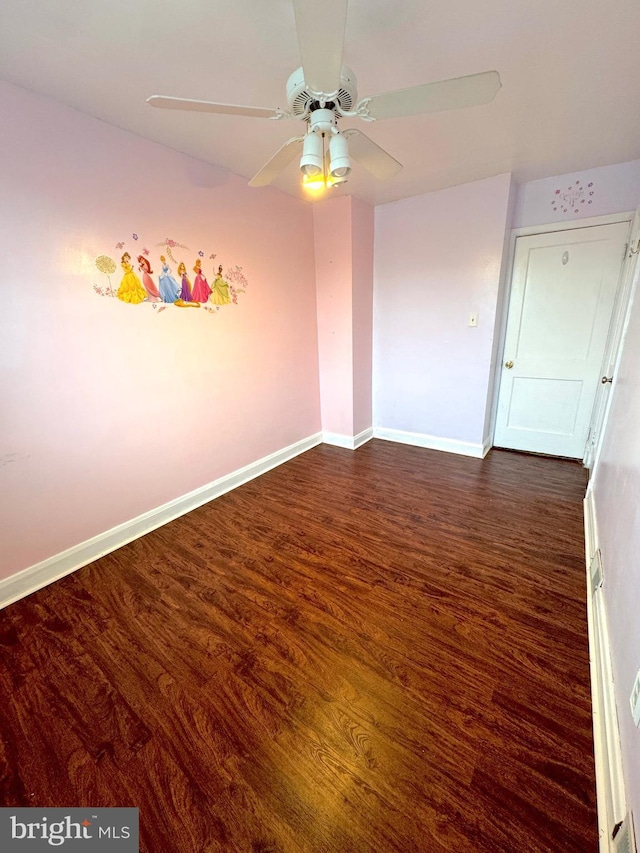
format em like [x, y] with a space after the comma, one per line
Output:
[562, 295]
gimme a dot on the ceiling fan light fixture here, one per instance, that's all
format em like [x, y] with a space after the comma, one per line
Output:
[311, 162]
[323, 91]
[340, 164]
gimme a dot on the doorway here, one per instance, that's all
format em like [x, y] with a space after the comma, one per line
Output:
[563, 291]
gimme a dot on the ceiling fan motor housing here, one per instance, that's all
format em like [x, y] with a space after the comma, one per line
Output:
[303, 100]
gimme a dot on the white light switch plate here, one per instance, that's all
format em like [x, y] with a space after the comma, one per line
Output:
[473, 319]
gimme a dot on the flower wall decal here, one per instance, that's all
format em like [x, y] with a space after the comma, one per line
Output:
[107, 266]
[572, 199]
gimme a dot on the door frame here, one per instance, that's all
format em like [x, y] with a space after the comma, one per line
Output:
[507, 282]
[615, 341]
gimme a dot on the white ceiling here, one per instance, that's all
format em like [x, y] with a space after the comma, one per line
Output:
[570, 70]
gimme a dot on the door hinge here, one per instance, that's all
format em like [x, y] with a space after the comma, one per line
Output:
[623, 836]
[633, 248]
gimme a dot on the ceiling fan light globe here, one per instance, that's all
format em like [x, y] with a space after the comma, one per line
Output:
[340, 164]
[340, 168]
[310, 169]
[311, 162]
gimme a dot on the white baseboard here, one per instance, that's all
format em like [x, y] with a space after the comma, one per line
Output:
[610, 791]
[349, 442]
[41, 574]
[362, 438]
[432, 442]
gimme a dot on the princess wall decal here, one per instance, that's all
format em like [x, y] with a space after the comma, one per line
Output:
[139, 287]
[131, 289]
[144, 266]
[220, 289]
[186, 291]
[169, 287]
[201, 289]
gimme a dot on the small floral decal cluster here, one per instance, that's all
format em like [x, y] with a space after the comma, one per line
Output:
[147, 278]
[237, 283]
[572, 199]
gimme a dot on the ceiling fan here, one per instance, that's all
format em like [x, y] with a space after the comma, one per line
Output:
[323, 91]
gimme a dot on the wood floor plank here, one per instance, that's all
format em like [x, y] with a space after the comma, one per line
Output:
[96, 711]
[382, 650]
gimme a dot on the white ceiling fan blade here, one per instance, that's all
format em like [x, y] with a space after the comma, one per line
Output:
[375, 159]
[320, 25]
[432, 97]
[166, 102]
[277, 163]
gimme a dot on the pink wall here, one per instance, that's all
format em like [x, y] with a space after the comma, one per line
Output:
[110, 410]
[362, 320]
[595, 192]
[616, 492]
[437, 259]
[333, 264]
[343, 228]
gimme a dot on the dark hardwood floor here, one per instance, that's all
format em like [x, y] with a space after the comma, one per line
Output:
[383, 650]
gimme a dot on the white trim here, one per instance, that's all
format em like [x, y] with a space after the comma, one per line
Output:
[610, 792]
[41, 574]
[362, 438]
[433, 442]
[571, 224]
[500, 320]
[629, 275]
[348, 442]
[337, 439]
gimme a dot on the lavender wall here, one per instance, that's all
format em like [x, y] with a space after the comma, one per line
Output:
[109, 409]
[616, 493]
[615, 480]
[593, 192]
[437, 259]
